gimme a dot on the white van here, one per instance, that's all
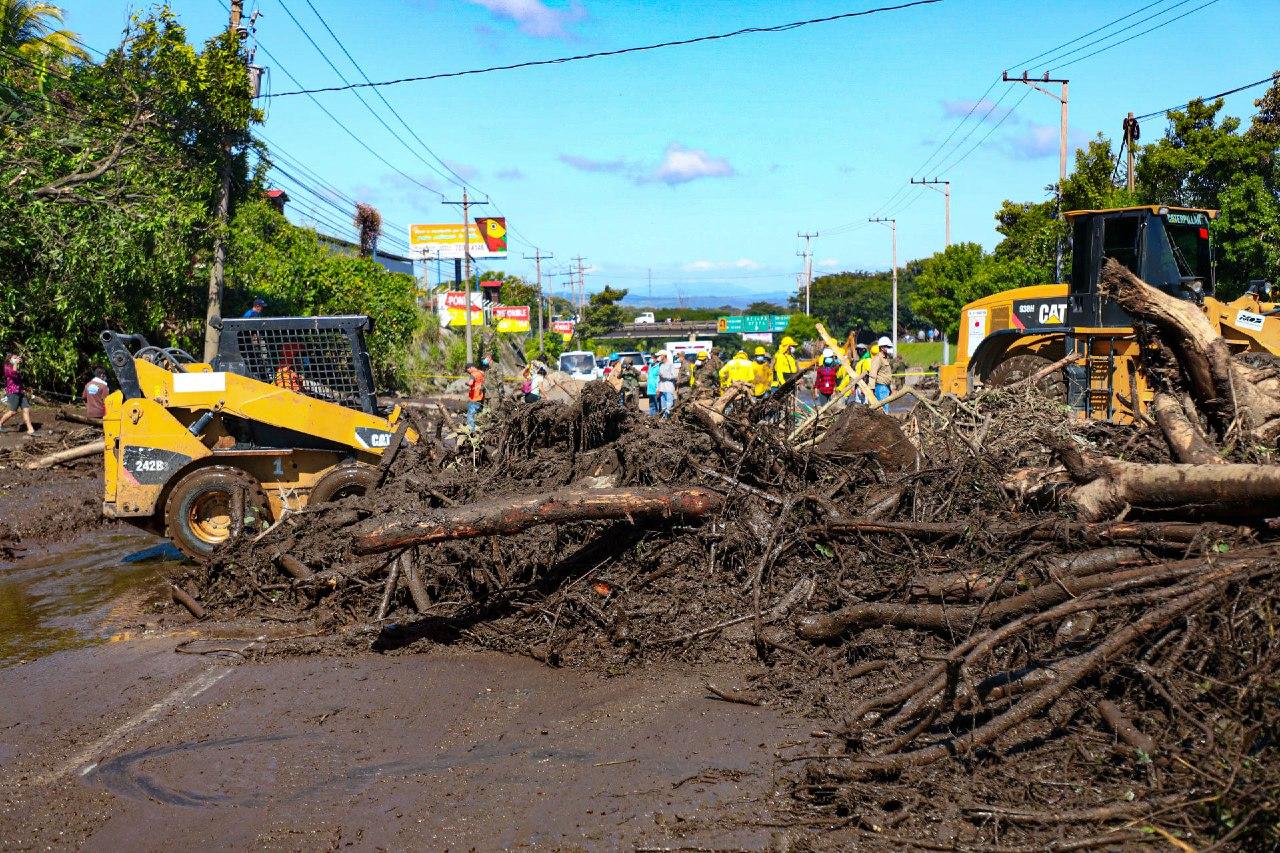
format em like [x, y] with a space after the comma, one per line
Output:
[580, 364]
[645, 319]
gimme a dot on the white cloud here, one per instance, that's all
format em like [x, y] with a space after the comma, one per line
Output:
[711, 266]
[588, 164]
[978, 109]
[1038, 141]
[827, 263]
[463, 170]
[535, 17]
[511, 174]
[680, 165]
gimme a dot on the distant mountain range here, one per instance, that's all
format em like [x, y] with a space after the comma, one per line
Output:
[734, 300]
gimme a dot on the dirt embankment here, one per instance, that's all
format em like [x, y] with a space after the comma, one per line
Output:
[52, 504]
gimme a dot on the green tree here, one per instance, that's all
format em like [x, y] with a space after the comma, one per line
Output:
[803, 328]
[761, 307]
[297, 274]
[602, 313]
[859, 301]
[31, 28]
[1206, 161]
[106, 176]
[963, 272]
[1030, 236]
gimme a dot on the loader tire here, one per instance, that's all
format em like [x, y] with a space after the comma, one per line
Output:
[1020, 367]
[198, 512]
[343, 481]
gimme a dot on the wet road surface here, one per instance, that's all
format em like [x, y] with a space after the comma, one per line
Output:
[113, 741]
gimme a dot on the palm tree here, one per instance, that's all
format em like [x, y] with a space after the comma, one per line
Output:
[29, 28]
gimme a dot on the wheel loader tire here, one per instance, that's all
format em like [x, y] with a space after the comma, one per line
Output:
[345, 480]
[198, 512]
[1020, 367]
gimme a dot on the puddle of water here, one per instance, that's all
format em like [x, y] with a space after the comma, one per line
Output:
[61, 598]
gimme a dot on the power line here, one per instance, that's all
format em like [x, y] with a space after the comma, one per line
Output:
[778, 28]
[378, 92]
[348, 130]
[945, 168]
[1026, 62]
[1269, 79]
[1136, 35]
[358, 96]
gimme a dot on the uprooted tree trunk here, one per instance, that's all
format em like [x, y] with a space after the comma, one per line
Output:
[1218, 491]
[512, 515]
[1222, 389]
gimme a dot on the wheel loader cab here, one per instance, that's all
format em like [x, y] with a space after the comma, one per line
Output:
[1165, 247]
[1009, 336]
[284, 415]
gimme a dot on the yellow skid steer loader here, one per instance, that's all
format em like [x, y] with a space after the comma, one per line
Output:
[285, 415]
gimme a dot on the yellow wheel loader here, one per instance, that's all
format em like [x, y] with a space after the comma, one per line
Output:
[1015, 334]
[285, 415]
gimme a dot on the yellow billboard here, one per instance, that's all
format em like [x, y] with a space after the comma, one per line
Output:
[443, 241]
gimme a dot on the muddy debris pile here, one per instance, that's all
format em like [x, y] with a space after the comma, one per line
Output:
[1011, 629]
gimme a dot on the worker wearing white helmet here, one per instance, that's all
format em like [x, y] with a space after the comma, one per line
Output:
[880, 371]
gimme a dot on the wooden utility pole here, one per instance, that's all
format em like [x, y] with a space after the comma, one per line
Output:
[582, 286]
[222, 208]
[946, 192]
[893, 226]
[807, 254]
[1132, 133]
[466, 261]
[537, 259]
[1062, 142]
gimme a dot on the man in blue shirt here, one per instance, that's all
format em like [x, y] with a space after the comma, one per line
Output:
[256, 310]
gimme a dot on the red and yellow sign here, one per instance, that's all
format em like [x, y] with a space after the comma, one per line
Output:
[452, 308]
[564, 328]
[511, 318]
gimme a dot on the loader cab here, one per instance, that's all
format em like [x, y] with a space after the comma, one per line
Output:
[1167, 247]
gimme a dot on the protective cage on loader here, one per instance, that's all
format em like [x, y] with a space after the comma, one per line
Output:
[285, 415]
[1015, 334]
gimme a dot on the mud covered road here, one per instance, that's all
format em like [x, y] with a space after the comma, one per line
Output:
[112, 737]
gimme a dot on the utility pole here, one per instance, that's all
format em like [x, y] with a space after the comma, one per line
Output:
[1062, 143]
[946, 192]
[537, 259]
[466, 260]
[582, 286]
[807, 254]
[222, 209]
[1132, 133]
[893, 226]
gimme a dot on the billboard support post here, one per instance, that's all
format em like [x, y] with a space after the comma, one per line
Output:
[466, 204]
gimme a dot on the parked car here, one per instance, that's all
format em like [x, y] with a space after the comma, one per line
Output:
[580, 364]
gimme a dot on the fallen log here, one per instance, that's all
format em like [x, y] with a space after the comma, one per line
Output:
[1116, 532]
[67, 413]
[67, 455]
[1185, 439]
[1220, 491]
[181, 596]
[512, 515]
[827, 626]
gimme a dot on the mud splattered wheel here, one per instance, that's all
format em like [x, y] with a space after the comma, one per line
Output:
[343, 481]
[198, 514]
[1019, 367]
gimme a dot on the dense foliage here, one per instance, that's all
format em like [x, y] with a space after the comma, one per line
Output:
[300, 275]
[108, 177]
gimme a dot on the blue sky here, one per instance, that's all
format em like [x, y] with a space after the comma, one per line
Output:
[701, 163]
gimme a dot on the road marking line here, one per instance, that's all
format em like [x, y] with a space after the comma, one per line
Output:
[84, 759]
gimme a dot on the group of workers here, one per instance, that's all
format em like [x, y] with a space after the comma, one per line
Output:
[872, 370]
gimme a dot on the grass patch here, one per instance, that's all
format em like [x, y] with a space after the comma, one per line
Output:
[922, 355]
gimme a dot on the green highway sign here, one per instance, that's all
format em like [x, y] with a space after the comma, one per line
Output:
[754, 323]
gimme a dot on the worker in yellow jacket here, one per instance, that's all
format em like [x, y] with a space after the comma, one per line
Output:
[737, 369]
[784, 361]
[762, 380]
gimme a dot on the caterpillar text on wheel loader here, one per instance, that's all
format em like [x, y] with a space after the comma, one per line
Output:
[1012, 335]
[286, 415]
